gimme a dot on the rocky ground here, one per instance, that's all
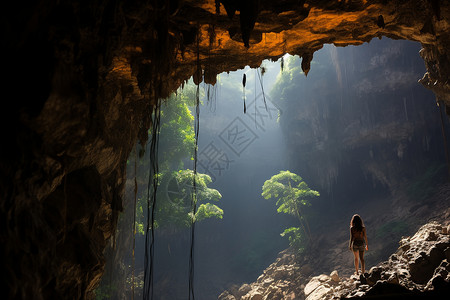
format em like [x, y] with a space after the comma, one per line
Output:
[419, 267]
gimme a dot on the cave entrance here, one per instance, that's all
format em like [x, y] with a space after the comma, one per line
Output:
[359, 129]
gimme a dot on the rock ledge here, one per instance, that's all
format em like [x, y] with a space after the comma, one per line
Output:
[419, 268]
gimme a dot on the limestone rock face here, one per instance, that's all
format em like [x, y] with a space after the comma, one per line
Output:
[84, 77]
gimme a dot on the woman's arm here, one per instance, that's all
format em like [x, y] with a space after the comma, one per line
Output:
[351, 240]
[365, 237]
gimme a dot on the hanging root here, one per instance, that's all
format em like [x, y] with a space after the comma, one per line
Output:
[262, 88]
[152, 188]
[194, 195]
[244, 80]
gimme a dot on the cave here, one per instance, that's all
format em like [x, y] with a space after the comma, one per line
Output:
[94, 72]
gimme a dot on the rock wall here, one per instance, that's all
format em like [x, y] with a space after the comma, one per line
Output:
[83, 76]
[373, 123]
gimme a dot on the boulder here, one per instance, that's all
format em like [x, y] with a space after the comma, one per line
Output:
[281, 273]
[315, 283]
[244, 289]
[335, 276]
[439, 283]
[436, 255]
[267, 281]
[226, 296]
[256, 296]
[432, 236]
[422, 267]
[274, 294]
[234, 289]
[393, 279]
[421, 270]
[375, 273]
[319, 293]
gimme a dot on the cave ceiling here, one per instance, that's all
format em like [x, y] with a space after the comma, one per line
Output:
[83, 77]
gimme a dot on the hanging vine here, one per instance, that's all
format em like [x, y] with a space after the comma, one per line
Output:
[152, 188]
[194, 181]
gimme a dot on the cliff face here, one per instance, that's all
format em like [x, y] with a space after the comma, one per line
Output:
[84, 76]
[372, 123]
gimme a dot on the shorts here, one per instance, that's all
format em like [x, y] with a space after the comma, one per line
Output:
[359, 245]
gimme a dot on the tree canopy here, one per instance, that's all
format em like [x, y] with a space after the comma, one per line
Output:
[292, 194]
[176, 147]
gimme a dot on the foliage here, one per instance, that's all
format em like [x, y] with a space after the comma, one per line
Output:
[290, 190]
[285, 87]
[208, 210]
[105, 292]
[177, 136]
[175, 206]
[176, 146]
[296, 238]
[138, 282]
[292, 195]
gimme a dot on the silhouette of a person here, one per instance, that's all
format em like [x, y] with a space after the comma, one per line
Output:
[358, 242]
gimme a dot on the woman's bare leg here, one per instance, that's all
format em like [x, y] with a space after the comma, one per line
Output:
[355, 254]
[361, 257]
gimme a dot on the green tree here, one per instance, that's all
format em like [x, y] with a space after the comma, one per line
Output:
[292, 194]
[176, 147]
[176, 137]
[174, 208]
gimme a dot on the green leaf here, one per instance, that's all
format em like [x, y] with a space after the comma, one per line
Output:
[291, 192]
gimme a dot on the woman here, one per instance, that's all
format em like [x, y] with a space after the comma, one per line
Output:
[358, 241]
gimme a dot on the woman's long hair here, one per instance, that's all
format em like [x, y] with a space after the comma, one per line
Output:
[357, 223]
